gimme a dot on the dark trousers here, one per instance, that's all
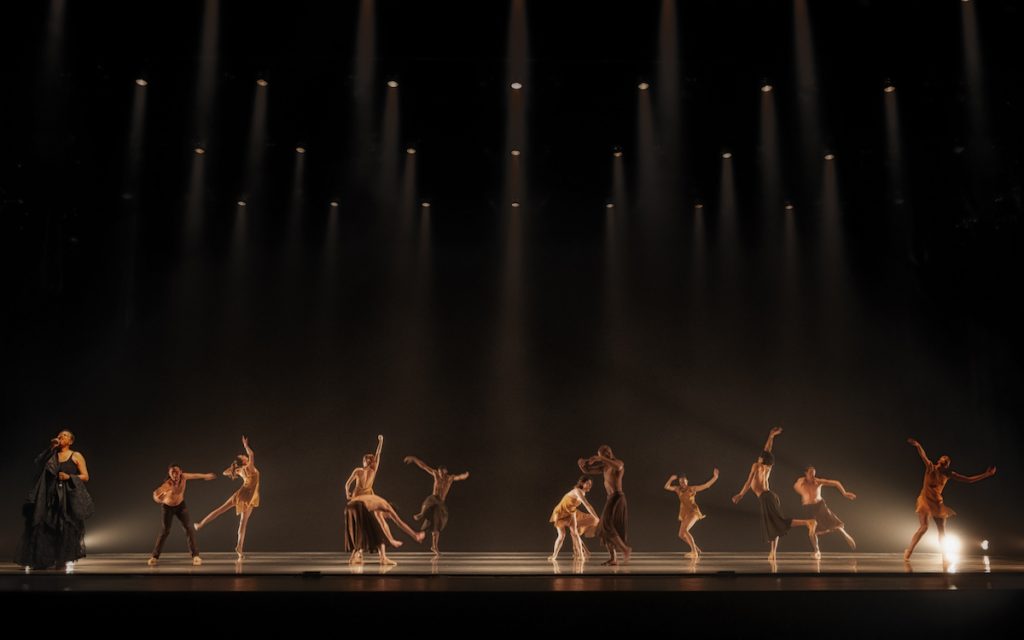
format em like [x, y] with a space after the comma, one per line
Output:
[181, 512]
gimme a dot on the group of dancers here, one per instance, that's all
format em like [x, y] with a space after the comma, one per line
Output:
[58, 504]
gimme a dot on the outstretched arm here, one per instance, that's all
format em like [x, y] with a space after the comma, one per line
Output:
[248, 451]
[713, 480]
[746, 485]
[461, 476]
[771, 438]
[838, 485]
[669, 486]
[920, 450]
[988, 473]
[589, 508]
[200, 476]
[416, 461]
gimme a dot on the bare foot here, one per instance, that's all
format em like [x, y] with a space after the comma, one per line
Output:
[152, 561]
[196, 561]
[627, 553]
[552, 559]
[395, 543]
[906, 555]
[610, 562]
[420, 536]
[387, 562]
[356, 557]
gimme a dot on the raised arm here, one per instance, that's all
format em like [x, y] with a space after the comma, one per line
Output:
[376, 456]
[461, 476]
[669, 486]
[771, 438]
[591, 466]
[713, 480]
[746, 485]
[920, 450]
[618, 464]
[416, 461]
[200, 476]
[988, 473]
[248, 451]
[838, 485]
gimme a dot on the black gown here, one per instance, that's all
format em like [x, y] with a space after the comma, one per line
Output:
[54, 534]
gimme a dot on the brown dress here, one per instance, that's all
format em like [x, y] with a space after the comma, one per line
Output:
[248, 495]
[688, 504]
[930, 501]
[561, 516]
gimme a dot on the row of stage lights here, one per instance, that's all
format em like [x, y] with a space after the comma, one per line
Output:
[516, 86]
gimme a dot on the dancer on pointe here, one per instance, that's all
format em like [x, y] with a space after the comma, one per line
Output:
[171, 497]
[614, 515]
[808, 486]
[245, 499]
[689, 512]
[366, 514]
[434, 511]
[566, 516]
[929, 502]
[773, 523]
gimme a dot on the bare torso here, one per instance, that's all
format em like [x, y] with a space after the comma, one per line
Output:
[172, 493]
[809, 491]
[442, 484]
[364, 480]
[759, 481]
[613, 477]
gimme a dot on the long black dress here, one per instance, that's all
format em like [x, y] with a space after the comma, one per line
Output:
[53, 534]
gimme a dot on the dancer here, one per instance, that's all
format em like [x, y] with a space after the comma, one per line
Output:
[929, 502]
[171, 497]
[614, 515]
[366, 514]
[245, 499]
[56, 508]
[566, 516]
[808, 486]
[774, 524]
[434, 512]
[689, 512]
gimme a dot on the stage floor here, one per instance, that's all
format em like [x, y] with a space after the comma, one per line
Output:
[535, 565]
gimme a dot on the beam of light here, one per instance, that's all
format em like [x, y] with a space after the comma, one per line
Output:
[194, 201]
[256, 143]
[293, 238]
[648, 175]
[769, 156]
[364, 75]
[387, 174]
[727, 236]
[901, 226]
[133, 167]
[50, 87]
[407, 202]
[982, 160]
[807, 91]
[207, 72]
[951, 547]
[670, 116]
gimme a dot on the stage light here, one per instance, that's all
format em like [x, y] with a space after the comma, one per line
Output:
[515, 152]
[766, 88]
[241, 203]
[393, 84]
[951, 546]
[643, 86]
[300, 150]
[727, 155]
[425, 205]
[829, 156]
[789, 206]
[515, 204]
[984, 545]
[516, 85]
[617, 153]
[261, 82]
[334, 204]
[889, 88]
[411, 151]
[141, 82]
[609, 206]
[698, 205]
[199, 151]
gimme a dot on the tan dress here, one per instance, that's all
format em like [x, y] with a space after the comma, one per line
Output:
[248, 495]
[930, 501]
[561, 516]
[688, 504]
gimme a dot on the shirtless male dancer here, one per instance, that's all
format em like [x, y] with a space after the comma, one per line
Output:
[613, 517]
[171, 497]
[773, 523]
[808, 486]
[434, 512]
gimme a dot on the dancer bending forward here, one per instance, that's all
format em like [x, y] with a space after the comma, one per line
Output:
[566, 517]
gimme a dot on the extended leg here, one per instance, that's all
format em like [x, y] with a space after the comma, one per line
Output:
[921, 529]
